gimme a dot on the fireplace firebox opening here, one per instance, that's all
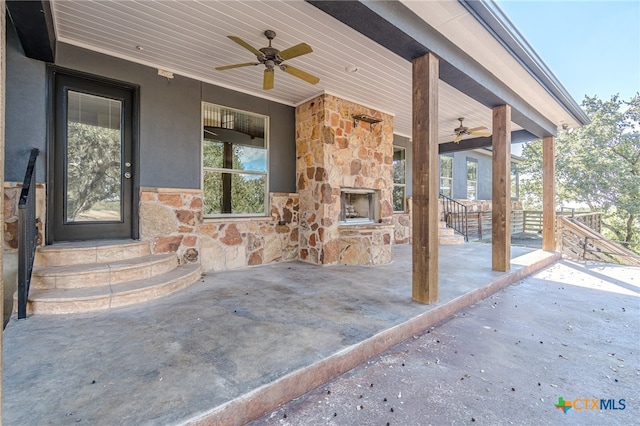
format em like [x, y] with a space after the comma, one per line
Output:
[358, 206]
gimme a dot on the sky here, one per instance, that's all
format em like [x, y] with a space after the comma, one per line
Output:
[592, 47]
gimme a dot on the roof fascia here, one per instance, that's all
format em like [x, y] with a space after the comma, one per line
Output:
[33, 21]
[489, 14]
[395, 27]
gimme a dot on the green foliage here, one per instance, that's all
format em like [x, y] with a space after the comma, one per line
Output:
[237, 193]
[597, 165]
[93, 171]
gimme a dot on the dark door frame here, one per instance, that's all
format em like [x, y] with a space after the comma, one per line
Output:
[52, 72]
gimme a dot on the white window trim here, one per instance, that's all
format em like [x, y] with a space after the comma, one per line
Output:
[471, 160]
[441, 178]
[267, 205]
[403, 185]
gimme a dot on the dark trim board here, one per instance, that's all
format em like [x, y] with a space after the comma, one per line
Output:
[518, 136]
[394, 26]
[33, 21]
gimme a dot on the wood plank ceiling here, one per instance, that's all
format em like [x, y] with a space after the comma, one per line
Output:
[189, 38]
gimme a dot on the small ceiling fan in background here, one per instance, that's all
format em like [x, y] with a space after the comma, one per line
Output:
[461, 131]
[271, 58]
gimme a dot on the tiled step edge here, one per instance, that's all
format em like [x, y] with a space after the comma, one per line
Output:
[75, 253]
[100, 274]
[78, 300]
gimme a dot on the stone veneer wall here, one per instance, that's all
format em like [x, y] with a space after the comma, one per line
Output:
[332, 153]
[172, 219]
[402, 225]
[12, 192]
[366, 244]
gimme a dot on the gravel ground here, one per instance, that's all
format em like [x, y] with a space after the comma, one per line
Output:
[572, 331]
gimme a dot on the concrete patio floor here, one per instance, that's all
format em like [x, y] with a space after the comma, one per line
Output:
[234, 345]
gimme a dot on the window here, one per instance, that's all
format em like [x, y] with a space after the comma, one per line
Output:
[472, 179]
[399, 179]
[446, 175]
[234, 162]
[515, 182]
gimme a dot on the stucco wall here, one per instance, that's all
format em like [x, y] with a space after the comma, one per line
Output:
[25, 110]
[460, 174]
[169, 117]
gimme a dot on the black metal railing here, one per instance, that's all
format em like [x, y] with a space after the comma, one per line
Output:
[455, 215]
[28, 233]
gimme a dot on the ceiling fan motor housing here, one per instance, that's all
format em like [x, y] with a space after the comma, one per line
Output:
[269, 54]
[271, 58]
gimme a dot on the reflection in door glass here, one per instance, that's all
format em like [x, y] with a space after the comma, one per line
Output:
[93, 173]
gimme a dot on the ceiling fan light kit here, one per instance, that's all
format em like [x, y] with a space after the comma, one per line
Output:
[273, 58]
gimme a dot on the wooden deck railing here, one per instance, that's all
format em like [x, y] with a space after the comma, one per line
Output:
[579, 241]
[479, 222]
[533, 219]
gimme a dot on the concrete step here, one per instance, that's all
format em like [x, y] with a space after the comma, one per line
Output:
[88, 299]
[443, 232]
[450, 239]
[101, 274]
[82, 252]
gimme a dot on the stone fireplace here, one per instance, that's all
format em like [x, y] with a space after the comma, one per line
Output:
[344, 179]
[358, 206]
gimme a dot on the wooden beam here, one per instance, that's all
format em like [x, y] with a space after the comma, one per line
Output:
[548, 193]
[33, 21]
[425, 179]
[518, 136]
[501, 192]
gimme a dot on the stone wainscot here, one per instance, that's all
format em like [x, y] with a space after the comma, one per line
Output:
[172, 220]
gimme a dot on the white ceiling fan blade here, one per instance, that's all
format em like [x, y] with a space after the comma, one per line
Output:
[484, 134]
[458, 138]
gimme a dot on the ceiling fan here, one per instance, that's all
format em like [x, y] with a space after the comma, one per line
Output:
[272, 58]
[461, 131]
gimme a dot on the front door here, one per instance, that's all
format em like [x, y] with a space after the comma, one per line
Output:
[92, 187]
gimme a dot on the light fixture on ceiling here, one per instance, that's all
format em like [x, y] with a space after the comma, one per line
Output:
[166, 74]
[351, 68]
[140, 48]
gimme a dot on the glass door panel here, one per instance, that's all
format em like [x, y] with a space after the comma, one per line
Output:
[93, 181]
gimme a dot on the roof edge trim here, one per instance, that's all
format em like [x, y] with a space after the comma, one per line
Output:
[489, 14]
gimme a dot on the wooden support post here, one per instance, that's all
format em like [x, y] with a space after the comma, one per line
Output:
[548, 193]
[425, 179]
[501, 190]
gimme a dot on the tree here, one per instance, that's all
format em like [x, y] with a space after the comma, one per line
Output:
[242, 193]
[93, 172]
[597, 165]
